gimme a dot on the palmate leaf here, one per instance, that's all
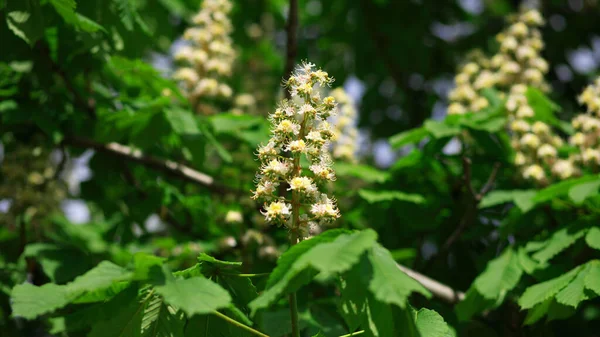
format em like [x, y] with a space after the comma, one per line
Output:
[126, 318]
[558, 242]
[327, 258]
[161, 320]
[542, 291]
[388, 283]
[593, 238]
[431, 324]
[500, 276]
[30, 301]
[285, 262]
[568, 290]
[100, 277]
[195, 295]
[489, 289]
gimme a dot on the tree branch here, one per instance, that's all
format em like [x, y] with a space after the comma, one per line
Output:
[166, 166]
[438, 289]
[292, 42]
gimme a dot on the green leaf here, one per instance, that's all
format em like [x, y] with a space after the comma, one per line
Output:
[195, 295]
[88, 25]
[580, 192]
[560, 189]
[328, 258]
[379, 319]
[182, 121]
[126, 321]
[100, 277]
[593, 238]
[440, 129]
[543, 108]
[30, 301]
[285, 262]
[379, 196]
[389, 284]
[431, 324]
[221, 151]
[364, 172]
[231, 124]
[474, 303]
[24, 19]
[537, 312]
[592, 280]
[500, 276]
[129, 15]
[574, 292]
[161, 320]
[520, 197]
[559, 241]
[408, 137]
[66, 9]
[353, 299]
[148, 267]
[542, 291]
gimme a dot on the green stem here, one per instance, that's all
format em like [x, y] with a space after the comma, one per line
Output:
[239, 325]
[354, 333]
[248, 275]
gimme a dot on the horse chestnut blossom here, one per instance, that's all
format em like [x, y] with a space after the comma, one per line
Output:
[208, 58]
[345, 133]
[587, 127]
[473, 77]
[299, 129]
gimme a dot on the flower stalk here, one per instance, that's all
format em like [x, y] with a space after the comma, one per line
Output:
[299, 131]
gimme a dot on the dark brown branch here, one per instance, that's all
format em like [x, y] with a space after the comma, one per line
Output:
[470, 212]
[291, 29]
[467, 176]
[166, 166]
[489, 183]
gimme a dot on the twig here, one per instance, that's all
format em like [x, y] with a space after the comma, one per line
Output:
[467, 176]
[291, 29]
[489, 183]
[239, 325]
[438, 289]
[471, 209]
[167, 166]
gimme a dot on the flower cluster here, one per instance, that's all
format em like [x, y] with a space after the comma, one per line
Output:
[517, 66]
[587, 127]
[299, 130]
[209, 56]
[473, 77]
[519, 59]
[345, 133]
[537, 154]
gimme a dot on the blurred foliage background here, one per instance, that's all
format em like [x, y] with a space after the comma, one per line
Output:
[72, 83]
